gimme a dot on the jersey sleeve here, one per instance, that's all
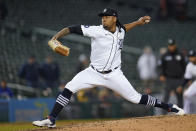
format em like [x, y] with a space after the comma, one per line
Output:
[76, 29]
[89, 31]
[188, 74]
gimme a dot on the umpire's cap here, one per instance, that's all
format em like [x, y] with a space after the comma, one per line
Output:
[108, 12]
[171, 42]
[191, 53]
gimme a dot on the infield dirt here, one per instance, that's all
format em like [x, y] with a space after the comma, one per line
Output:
[154, 123]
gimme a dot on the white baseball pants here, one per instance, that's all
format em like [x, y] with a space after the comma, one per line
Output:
[114, 80]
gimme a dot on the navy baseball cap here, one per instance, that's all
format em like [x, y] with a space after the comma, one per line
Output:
[191, 53]
[108, 12]
[171, 42]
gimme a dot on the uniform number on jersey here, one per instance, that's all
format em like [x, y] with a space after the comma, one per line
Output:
[120, 43]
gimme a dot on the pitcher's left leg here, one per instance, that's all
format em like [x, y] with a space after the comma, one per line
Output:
[119, 83]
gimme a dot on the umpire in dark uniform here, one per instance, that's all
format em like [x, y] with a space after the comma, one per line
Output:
[172, 67]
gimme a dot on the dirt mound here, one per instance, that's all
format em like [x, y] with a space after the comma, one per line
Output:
[156, 123]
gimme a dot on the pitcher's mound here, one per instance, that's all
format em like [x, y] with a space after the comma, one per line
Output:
[154, 123]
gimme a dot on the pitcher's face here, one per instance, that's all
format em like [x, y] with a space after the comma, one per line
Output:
[108, 21]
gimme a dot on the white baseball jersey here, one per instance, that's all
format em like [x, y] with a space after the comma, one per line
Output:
[105, 47]
[191, 91]
[105, 55]
[190, 71]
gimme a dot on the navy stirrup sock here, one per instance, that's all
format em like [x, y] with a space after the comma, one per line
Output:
[61, 101]
[152, 101]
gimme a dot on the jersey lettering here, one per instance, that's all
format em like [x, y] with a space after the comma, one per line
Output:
[120, 43]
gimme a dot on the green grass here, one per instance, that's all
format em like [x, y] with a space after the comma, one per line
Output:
[22, 126]
[16, 126]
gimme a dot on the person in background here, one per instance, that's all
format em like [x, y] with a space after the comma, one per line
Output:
[147, 69]
[30, 72]
[83, 63]
[50, 73]
[162, 51]
[189, 79]
[172, 68]
[5, 91]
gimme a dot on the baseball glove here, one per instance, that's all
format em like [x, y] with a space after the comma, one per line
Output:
[58, 47]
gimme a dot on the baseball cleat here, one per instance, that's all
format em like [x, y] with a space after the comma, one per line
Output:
[177, 110]
[45, 123]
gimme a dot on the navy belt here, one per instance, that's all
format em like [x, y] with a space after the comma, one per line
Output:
[103, 72]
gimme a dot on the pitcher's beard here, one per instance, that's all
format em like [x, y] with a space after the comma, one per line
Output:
[105, 27]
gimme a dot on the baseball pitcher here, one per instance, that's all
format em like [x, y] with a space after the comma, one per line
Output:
[105, 67]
